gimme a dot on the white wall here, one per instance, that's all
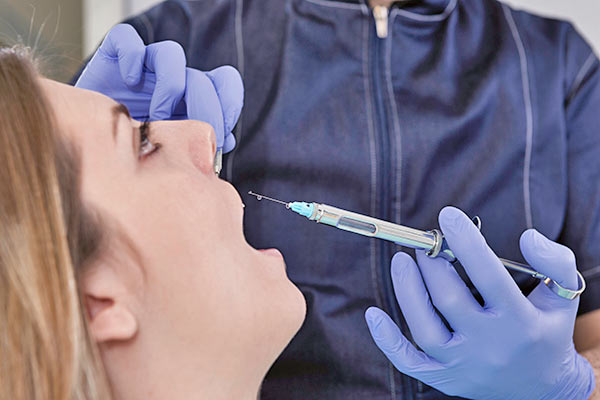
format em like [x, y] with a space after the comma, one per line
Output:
[100, 15]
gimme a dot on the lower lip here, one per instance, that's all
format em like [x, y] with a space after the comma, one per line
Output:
[271, 252]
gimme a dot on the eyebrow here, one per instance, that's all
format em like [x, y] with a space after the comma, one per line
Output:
[117, 111]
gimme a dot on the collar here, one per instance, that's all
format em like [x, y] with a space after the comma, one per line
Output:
[420, 10]
[426, 10]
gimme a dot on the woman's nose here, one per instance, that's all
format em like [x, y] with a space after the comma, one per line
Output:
[192, 140]
[202, 146]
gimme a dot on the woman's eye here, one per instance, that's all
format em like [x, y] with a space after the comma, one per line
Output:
[147, 148]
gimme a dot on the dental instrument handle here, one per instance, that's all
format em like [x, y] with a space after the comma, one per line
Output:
[218, 164]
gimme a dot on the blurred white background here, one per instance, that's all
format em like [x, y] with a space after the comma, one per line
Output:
[100, 15]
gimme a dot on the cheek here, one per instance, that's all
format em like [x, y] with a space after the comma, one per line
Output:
[187, 258]
[180, 221]
[186, 218]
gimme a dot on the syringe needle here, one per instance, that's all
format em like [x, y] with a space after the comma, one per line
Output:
[259, 197]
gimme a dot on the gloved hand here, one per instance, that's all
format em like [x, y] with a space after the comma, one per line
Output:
[515, 347]
[154, 83]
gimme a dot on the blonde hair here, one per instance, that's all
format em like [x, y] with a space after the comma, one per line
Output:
[46, 236]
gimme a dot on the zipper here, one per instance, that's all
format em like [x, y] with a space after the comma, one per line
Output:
[381, 14]
[384, 167]
[381, 17]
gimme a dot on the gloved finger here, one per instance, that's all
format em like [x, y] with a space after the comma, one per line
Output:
[124, 44]
[426, 326]
[553, 260]
[203, 103]
[229, 144]
[230, 89]
[167, 60]
[449, 293]
[487, 273]
[396, 347]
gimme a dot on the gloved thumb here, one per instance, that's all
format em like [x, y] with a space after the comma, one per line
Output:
[124, 44]
[229, 144]
[203, 102]
[230, 89]
[553, 260]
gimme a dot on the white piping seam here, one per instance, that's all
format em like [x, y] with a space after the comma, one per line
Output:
[528, 115]
[239, 36]
[392, 371]
[585, 68]
[239, 39]
[149, 27]
[333, 4]
[372, 154]
[396, 119]
[427, 18]
[590, 273]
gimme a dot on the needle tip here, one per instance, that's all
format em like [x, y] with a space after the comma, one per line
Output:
[259, 197]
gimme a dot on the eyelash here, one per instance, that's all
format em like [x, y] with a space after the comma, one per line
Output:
[145, 134]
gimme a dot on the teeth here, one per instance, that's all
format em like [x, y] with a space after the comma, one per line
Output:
[243, 205]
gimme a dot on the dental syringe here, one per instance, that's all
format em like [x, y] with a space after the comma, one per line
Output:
[432, 242]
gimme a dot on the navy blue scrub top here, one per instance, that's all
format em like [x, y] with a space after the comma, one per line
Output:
[466, 103]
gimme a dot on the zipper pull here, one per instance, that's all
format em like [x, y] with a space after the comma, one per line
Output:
[380, 13]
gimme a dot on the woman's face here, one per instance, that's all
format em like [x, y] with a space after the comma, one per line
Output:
[195, 284]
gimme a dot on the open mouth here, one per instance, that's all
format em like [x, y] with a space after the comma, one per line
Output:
[271, 252]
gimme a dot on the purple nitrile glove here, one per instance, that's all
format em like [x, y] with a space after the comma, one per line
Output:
[513, 347]
[154, 83]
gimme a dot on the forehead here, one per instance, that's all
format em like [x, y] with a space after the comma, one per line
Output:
[77, 109]
[86, 120]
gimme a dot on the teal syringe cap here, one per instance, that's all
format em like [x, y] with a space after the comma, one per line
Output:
[302, 208]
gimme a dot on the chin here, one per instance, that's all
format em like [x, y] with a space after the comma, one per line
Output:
[291, 304]
[294, 312]
[299, 308]
[290, 316]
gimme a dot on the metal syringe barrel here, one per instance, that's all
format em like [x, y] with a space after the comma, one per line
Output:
[366, 226]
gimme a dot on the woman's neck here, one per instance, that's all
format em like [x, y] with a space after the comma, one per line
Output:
[179, 388]
[154, 377]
